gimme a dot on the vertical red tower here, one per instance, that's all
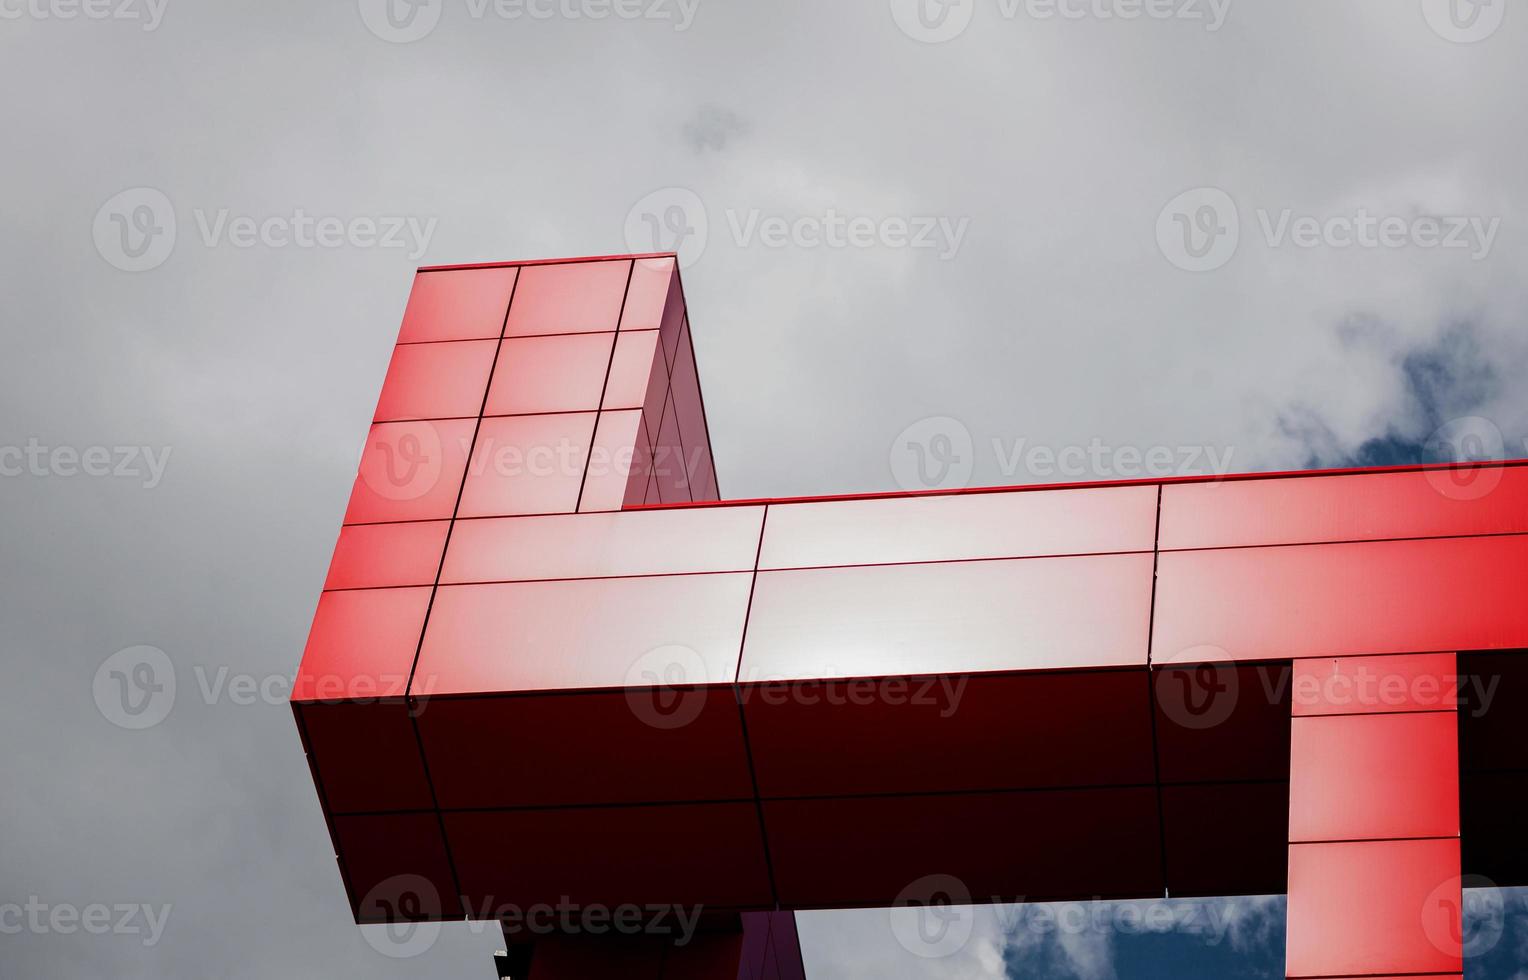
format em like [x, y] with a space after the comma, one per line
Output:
[550, 669]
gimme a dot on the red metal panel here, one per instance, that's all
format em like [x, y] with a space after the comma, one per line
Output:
[1226, 838]
[571, 297]
[1222, 722]
[361, 645]
[619, 462]
[466, 304]
[635, 368]
[1370, 685]
[1049, 844]
[527, 464]
[640, 542]
[436, 381]
[1343, 599]
[986, 525]
[591, 633]
[954, 617]
[684, 388]
[549, 374]
[397, 867]
[685, 855]
[1362, 507]
[564, 750]
[366, 756]
[1374, 907]
[410, 471]
[1371, 777]
[376, 555]
[559, 957]
[669, 463]
[653, 283]
[935, 734]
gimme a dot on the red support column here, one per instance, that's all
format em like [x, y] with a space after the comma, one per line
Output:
[1374, 882]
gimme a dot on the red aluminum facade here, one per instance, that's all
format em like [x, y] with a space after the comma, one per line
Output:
[539, 672]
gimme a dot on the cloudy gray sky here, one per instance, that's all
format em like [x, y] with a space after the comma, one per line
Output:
[1257, 234]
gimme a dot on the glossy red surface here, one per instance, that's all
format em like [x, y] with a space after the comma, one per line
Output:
[410, 471]
[1343, 599]
[563, 750]
[953, 617]
[654, 283]
[361, 645]
[635, 370]
[684, 390]
[458, 305]
[1430, 503]
[1375, 685]
[1374, 907]
[925, 529]
[573, 297]
[709, 854]
[620, 462]
[550, 374]
[579, 732]
[374, 555]
[527, 464]
[646, 542]
[1371, 777]
[588, 633]
[436, 381]
[669, 463]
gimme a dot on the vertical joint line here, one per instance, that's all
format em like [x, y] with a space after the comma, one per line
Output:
[615, 339]
[1151, 698]
[408, 692]
[737, 694]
